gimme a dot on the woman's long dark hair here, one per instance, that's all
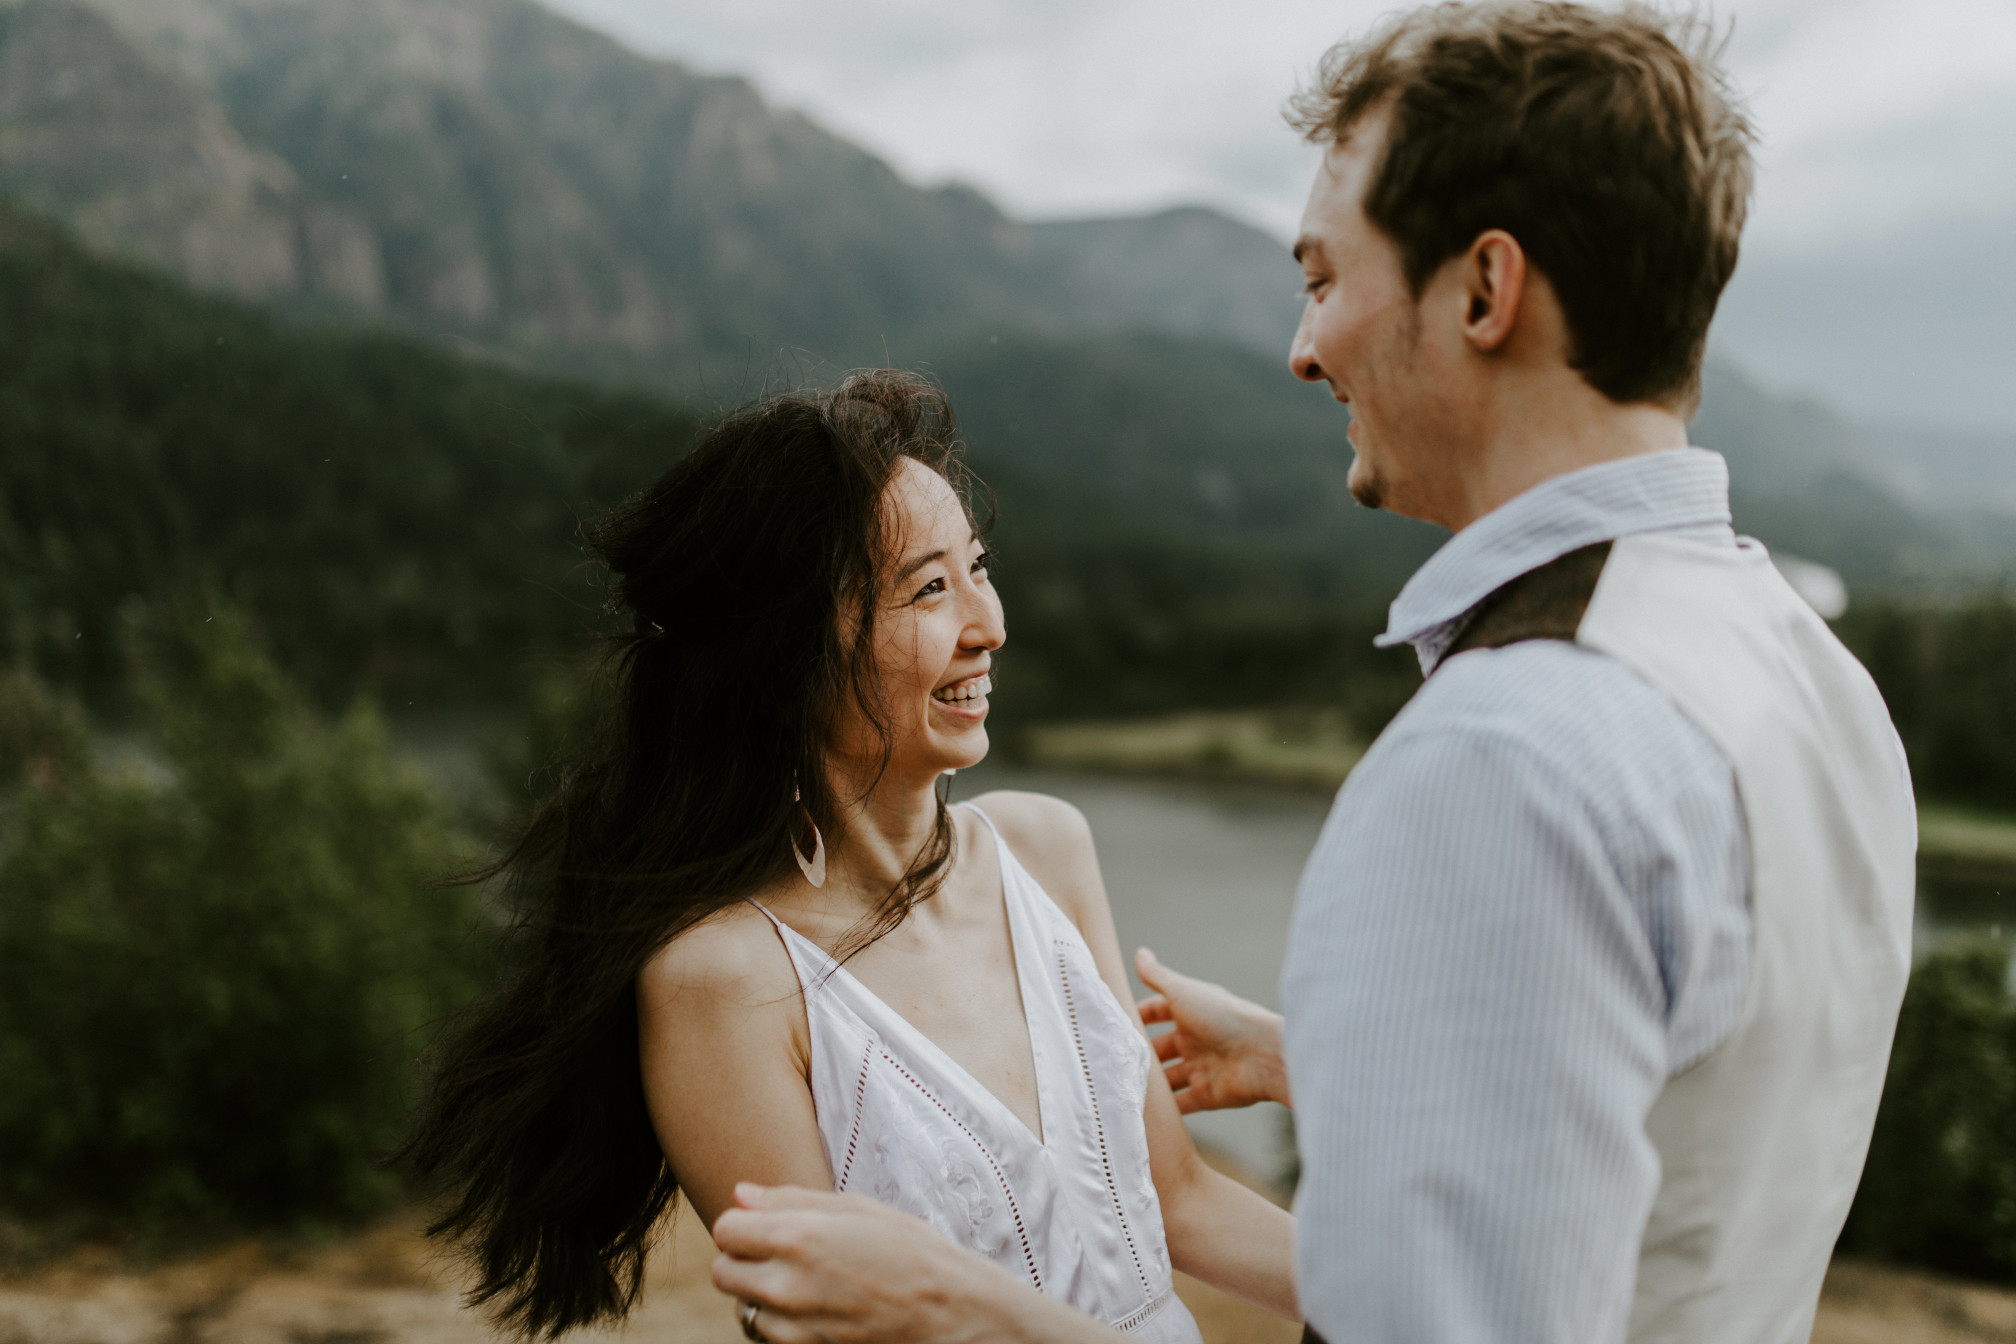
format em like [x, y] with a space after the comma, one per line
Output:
[736, 567]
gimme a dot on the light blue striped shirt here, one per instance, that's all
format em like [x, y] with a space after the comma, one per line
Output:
[1528, 909]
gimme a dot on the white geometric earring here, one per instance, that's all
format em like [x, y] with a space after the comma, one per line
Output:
[814, 868]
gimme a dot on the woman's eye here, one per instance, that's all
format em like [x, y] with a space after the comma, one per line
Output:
[931, 589]
[983, 563]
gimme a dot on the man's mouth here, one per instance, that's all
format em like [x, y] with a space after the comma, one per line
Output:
[961, 692]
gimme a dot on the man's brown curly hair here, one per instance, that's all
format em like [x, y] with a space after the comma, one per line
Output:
[1606, 141]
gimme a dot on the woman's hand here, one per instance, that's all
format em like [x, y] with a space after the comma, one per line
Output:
[1225, 1051]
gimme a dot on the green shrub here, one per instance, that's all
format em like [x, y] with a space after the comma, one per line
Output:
[219, 959]
[1948, 673]
[1940, 1186]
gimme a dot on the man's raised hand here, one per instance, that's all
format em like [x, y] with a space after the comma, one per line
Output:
[1225, 1051]
[841, 1269]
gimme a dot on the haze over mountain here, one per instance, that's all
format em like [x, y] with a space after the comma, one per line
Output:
[486, 171]
[1188, 270]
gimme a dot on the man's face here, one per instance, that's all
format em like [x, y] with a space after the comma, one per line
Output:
[1361, 330]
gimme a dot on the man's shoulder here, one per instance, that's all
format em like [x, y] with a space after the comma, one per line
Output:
[1553, 705]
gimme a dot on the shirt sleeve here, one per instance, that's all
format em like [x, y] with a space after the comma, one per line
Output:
[1477, 1029]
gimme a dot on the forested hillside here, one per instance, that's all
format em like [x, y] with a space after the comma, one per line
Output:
[399, 519]
[402, 520]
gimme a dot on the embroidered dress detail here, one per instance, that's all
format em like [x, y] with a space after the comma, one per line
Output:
[1074, 1212]
[1098, 1129]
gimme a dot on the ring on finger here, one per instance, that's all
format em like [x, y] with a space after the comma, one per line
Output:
[745, 1315]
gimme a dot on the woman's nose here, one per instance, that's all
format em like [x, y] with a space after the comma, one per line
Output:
[986, 627]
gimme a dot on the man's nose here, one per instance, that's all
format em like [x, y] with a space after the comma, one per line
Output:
[1302, 361]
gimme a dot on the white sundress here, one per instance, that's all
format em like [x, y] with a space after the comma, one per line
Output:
[903, 1123]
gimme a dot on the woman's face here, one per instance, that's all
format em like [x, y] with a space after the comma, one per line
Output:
[937, 624]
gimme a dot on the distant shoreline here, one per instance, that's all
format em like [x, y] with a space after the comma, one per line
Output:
[1309, 751]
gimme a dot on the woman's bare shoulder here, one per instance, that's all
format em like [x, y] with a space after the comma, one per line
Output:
[730, 961]
[1031, 819]
[1054, 842]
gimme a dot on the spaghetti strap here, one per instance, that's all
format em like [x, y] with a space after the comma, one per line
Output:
[809, 978]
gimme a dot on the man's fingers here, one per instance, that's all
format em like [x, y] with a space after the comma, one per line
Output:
[774, 1233]
[760, 1283]
[1178, 1075]
[778, 1328]
[750, 1234]
[1187, 1102]
[769, 1282]
[1155, 1008]
[738, 1278]
[1152, 972]
[750, 1195]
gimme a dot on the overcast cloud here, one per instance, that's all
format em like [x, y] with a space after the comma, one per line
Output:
[1884, 123]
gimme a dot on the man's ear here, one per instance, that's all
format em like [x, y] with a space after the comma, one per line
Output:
[1494, 281]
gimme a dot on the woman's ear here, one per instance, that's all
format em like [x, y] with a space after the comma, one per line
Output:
[1494, 285]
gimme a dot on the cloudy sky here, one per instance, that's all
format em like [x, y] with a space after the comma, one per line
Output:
[1888, 145]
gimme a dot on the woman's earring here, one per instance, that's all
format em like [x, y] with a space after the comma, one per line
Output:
[814, 868]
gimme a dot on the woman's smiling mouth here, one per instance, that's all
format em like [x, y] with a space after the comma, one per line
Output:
[968, 695]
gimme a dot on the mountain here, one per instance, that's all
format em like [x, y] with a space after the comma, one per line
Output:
[1190, 270]
[142, 163]
[489, 170]
[1904, 326]
[1806, 480]
[1909, 507]
[1943, 469]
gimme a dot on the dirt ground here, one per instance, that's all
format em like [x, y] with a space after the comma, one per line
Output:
[386, 1287]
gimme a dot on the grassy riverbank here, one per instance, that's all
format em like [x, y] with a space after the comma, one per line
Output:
[1965, 844]
[1289, 748]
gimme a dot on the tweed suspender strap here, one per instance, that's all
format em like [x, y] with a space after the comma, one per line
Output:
[1544, 603]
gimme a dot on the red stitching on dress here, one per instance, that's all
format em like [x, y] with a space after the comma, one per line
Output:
[1140, 1317]
[1021, 1232]
[854, 1134]
[1098, 1125]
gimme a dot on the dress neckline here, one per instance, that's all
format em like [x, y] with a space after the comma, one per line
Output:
[1021, 951]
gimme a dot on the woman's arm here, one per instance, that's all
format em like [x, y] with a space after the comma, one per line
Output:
[1218, 1230]
[724, 1046]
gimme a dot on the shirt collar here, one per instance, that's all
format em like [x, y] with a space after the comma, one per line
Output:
[1680, 490]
